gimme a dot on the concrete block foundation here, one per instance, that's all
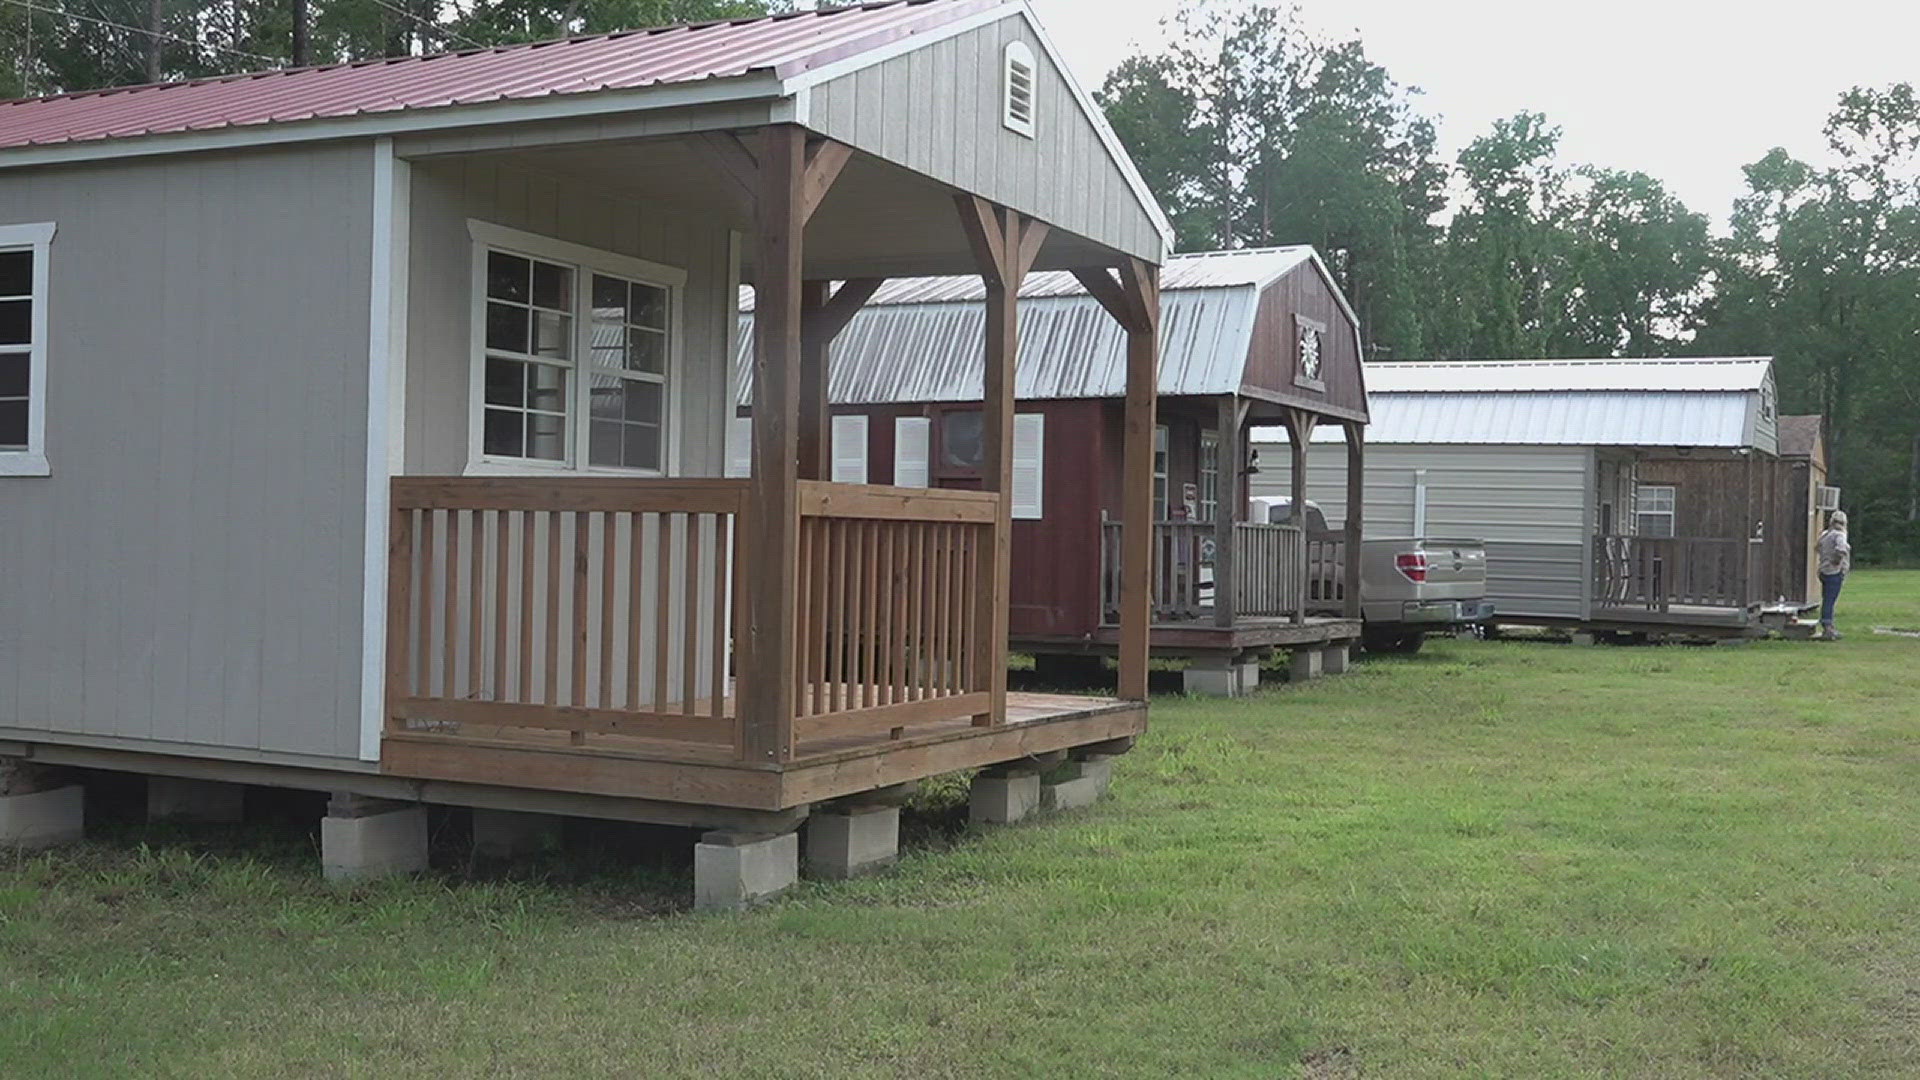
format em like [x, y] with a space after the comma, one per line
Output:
[1083, 783]
[845, 842]
[1336, 659]
[1303, 664]
[171, 798]
[42, 819]
[1004, 795]
[507, 834]
[362, 838]
[732, 870]
[1213, 676]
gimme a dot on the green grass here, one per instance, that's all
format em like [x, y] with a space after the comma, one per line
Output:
[1493, 859]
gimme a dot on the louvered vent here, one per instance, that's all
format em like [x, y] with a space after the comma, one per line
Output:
[1019, 89]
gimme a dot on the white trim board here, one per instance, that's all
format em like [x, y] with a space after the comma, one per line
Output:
[37, 237]
[388, 265]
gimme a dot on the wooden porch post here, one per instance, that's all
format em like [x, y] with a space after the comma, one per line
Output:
[1134, 303]
[1356, 505]
[1229, 508]
[1004, 246]
[780, 177]
[824, 312]
[1299, 429]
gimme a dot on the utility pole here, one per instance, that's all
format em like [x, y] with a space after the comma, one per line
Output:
[156, 17]
[302, 49]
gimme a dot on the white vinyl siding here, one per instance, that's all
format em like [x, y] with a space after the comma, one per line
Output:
[849, 449]
[912, 438]
[1029, 465]
[23, 348]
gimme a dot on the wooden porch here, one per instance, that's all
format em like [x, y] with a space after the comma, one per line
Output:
[772, 641]
[1678, 581]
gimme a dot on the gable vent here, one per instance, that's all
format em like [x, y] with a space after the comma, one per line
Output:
[1017, 86]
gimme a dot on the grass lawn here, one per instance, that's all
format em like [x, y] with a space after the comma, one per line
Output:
[1507, 859]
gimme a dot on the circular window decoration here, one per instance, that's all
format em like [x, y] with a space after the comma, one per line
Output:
[1310, 352]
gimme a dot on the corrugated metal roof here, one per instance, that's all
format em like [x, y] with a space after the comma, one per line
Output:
[1256, 267]
[1069, 348]
[1588, 418]
[1747, 373]
[783, 45]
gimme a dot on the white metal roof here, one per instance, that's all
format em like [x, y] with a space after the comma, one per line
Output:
[1741, 373]
[1653, 403]
[920, 339]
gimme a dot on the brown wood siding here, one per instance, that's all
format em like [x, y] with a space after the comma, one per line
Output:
[1711, 499]
[1273, 357]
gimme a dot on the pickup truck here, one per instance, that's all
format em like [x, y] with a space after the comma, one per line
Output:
[1407, 586]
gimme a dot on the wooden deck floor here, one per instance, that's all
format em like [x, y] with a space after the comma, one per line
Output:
[822, 768]
[1201, 635]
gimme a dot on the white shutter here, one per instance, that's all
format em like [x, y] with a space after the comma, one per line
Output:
[849, 449]
[912, 438]
[1029, 460]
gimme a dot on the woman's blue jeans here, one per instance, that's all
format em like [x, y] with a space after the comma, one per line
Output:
[1829, 593]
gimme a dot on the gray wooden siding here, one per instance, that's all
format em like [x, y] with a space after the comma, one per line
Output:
[937, 110]
[439, 359]
[1528, 504]
[190, 573]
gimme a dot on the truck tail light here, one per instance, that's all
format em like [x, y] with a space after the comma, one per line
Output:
[1413, 564]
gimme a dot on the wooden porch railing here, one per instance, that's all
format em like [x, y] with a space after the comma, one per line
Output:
[577, 605]
[590, 606]
[1268, 562]
[1656, 574]
[889, 581]
[1326, 571]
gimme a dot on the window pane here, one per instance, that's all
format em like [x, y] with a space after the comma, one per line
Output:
[609, 298]
[647, 351]
[16, 273]
[603, 442]
[546, 388]
[608, 342]
[15, 370]
[507, 328]
[650, 306]
[13, 425]
[502, 434]
[16, 321]
[643, 446]
[552, 335]
[507, 277]
[553, 286]
[546, 437]
[960, 440]
[643, 402]
[506, 382]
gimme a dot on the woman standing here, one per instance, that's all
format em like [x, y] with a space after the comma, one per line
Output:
[1836, 558]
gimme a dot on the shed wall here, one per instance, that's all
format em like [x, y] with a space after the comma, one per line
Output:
[439, 333]
[1273, 358]
[1529, 504]
[189, 574]
[937, 111]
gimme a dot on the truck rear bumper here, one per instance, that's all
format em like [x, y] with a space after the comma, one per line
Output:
[1445, 612]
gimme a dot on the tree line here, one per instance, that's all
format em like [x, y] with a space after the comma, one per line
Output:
[1253, 131]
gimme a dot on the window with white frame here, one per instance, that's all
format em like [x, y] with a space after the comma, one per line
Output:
[575, 355]
[1209, 475]
[1160, 492]
[1018, 88]
[23, 348]
[1653, 506]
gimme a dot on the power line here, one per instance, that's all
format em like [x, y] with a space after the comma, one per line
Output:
[31, 6]
[434, 26]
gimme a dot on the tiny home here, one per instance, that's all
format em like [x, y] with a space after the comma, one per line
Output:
[394, 468]
[1548, 461]
[1247, 337]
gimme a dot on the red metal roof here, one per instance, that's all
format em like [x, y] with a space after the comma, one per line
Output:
[783, 45]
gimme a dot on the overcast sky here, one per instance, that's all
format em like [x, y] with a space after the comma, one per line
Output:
[1686, 90]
